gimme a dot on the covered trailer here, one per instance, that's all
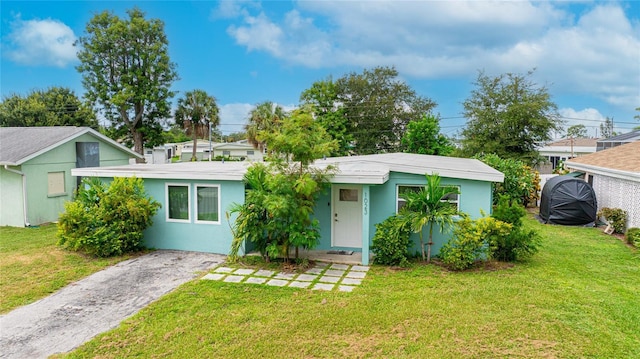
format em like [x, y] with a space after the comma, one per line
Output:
[568, 200]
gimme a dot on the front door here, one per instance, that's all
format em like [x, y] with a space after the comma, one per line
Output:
[347, 216]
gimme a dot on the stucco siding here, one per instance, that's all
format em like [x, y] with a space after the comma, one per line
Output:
[214, 238]
[11, 210]
[43, 207]
[619, 193]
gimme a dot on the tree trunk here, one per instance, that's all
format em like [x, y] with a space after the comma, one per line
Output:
[422, 245]
[430, 242]
[195, 145]
[138, 145]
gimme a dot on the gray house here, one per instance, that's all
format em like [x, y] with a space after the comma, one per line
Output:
[35, 169]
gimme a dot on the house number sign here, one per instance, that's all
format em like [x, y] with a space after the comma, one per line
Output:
[365, 203]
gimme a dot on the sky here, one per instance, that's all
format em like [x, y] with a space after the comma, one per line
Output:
[587, 53]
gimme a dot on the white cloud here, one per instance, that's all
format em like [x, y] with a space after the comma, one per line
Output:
[595, 53]
[40, 42]
[591, 118]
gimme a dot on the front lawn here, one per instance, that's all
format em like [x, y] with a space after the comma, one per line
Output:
[32, 266]
[579, 297]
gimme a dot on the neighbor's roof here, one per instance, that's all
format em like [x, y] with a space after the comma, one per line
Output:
[369, 169]
[577, 142]
[625, 137]
[621, 161]
[20, 144]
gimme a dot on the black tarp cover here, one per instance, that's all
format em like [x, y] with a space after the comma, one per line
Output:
[569, 201]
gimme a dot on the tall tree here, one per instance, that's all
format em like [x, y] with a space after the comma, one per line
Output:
[424, 137]
[577, 131]
[428, 207]
[606, 128]
[127, 72]
[378, 107]
[55, 106]
[197, 113]
[508, 115]
[266, 116]
[322, 96]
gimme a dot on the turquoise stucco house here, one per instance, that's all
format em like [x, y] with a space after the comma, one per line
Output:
[196, 195]
[35, 169]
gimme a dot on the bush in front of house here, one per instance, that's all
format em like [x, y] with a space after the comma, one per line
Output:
[391, 242]
[633, 236]
[471, 240]
[107, 220]
[520, 243]
[521, 182]
[616, 217]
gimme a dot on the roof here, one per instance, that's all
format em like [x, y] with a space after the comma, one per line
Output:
[625, 137]
[21, 144]
[621, 161]
[368, 169]
[581, 142]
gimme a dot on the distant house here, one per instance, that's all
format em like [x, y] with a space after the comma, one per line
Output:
[561, 150]
[364, 192]
[234, 150]
[614, 174]
[618, 140]
[35, 169]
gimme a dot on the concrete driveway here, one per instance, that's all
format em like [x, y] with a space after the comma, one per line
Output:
[98, 303]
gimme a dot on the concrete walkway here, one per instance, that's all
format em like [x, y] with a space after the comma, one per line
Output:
[322, 276]
[98, 303]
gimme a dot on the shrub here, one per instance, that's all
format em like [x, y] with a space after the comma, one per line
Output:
[616, 217]
[521, 182]
[633, 236]
[520, 243]
[470, 241]
[106, 220]
[391, 242]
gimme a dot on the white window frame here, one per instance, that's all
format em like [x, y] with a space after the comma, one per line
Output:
[398, 199]
[195, 202]
[168, 219]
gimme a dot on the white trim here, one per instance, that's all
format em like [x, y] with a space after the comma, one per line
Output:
[398, 199]
[603, 171]
[166, 196]
[195, 203]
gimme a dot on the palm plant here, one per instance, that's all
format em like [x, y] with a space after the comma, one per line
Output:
[428, 207]
[265, 117]
[196, 111]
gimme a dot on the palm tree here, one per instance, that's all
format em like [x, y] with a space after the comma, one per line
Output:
[265, 116]
[197, 111]
[428, 207]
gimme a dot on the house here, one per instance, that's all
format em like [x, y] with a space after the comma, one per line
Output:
[364, 192]
[618, 140]
[614, 174]
[233, 150]
[35, 169]
[561, 150]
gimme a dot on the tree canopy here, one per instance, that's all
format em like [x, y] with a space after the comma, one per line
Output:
[577, 131]
[424, 137]
[55, 106]
[127, 73]
[266, 116]
[508, 115]
[606, 128]
[196, 113]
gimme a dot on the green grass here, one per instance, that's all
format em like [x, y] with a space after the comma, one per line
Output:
[578, 298]
[32, 266]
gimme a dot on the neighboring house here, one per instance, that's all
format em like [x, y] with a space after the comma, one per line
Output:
[234, 150]
[364, 192]
[237, 150]
[618, 140]
[159, 154]
[561, 150]
[35, 169]
[614, 174]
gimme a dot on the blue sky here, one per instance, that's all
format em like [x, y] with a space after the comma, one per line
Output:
[246, 52]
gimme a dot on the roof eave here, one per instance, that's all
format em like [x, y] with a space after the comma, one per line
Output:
[627, 175]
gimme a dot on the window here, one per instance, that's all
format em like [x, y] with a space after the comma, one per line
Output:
[226, 153]
[249, 153]
[348, 195]
[55, 182]
[452, 198]
[207, 203]
[178, 208]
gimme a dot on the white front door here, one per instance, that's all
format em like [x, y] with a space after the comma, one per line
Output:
[347, 216]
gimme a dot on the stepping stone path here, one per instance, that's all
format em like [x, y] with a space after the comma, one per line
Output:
[323, 276]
